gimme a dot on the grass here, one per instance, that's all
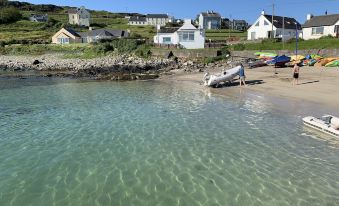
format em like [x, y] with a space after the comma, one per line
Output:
[25, 29]
[326, 43]
[224, 34]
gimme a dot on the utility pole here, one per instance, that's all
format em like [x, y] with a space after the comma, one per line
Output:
[283, 33]
[229, 27]
[272, 36]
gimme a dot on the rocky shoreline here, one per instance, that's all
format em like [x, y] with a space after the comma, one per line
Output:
[113, 67]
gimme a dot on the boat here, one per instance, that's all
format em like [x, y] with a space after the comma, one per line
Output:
[334, 63]
[226, 76]
[279, 61]
[328, 124]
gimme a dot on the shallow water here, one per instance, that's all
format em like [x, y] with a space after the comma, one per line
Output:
[150, 143]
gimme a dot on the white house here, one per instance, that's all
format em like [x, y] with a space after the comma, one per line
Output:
[187, 36]
[137, 21]
[158, 19]
[79, 16]
[283, 27]
[318, 26]
[39, 18]
[209, 20]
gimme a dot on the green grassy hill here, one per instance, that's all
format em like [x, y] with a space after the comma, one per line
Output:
[27, 30]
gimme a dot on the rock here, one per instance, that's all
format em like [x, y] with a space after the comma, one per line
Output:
[36, 62]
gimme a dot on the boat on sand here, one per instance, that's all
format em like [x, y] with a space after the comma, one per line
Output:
[226, 76]
[328, 124]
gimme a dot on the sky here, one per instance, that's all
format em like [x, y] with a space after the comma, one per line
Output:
[248, 10]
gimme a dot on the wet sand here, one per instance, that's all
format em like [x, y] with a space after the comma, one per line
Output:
[317, 86]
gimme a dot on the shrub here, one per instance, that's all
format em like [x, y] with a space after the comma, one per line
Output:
[209, 60]
[327, 37]
[9, 15]
[143, 51]
[239, 47]
[225, 51]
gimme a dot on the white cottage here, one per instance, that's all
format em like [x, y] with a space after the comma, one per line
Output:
[187, 36]
[319, 26]
[209, 20]
[283, 27]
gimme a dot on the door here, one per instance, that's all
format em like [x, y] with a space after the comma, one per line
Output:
[252, 35]
[336, 30]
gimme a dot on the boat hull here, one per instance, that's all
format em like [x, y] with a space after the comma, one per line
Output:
[320, 125]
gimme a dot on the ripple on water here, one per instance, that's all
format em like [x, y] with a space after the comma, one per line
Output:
[147, 143]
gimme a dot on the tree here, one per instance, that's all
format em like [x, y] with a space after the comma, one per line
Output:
[9, 15]
[3, 3]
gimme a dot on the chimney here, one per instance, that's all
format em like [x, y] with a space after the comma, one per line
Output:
[309, 17]
[263, 12]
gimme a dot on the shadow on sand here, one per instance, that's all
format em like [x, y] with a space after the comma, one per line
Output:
[236, 83]
[310, 82]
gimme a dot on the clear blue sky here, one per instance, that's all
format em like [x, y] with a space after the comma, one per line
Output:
[239, 9]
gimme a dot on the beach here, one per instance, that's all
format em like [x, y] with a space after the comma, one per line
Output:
[316, 85]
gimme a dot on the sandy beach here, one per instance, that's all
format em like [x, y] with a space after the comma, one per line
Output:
[318, 86]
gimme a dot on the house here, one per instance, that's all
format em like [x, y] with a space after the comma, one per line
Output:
[137, 20]
[240, 25]
[209, 20]
[158, 19]
[68, 36]
[39, 18]
[79, 16]
[318, 26]
[187, 36]
[283, 27]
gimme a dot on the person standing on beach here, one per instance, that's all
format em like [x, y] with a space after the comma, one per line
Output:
[242, 75]
[295, 74]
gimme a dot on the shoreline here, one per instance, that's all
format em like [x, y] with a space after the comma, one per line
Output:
[317, 87]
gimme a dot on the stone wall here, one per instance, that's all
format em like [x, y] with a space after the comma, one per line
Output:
[184, 53]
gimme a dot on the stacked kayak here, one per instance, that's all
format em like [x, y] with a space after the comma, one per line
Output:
[325, 61]
[265, 55]
[334, 63]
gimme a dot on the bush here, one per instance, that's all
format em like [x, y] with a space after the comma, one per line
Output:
[293, 40]
[143, 51]
[9, 15]
[327, 37]
[225, 51]
[239, 47]
[209, 60]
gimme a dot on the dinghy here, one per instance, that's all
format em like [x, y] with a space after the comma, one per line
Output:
[328, 124]
[226, 76]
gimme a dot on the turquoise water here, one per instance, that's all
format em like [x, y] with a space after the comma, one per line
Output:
[150, 143]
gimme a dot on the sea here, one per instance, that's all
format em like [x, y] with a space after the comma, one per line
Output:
[88, 143]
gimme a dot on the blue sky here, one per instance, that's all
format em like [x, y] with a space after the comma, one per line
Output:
[238, 9]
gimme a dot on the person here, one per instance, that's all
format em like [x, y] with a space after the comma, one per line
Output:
[242, 75]
[295, 74]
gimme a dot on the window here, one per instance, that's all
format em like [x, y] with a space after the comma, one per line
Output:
[266, 23]
[317, 30]
[186, 36]
[63, 40]
[166, 40]
[257, 24]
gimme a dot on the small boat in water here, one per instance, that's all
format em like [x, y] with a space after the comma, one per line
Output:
[226, 76]
[328, 124]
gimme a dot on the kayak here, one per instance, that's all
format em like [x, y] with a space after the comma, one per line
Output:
[334, 63]
[279, 60]
[297, 57]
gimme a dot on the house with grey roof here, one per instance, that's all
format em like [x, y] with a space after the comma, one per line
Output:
[279, 27]
[69, 36]
[39, 18]
[209, 20]
[150, 19]
[319, 26]
[137, 20]
[240, 25]
[158, 19]
[79, 16]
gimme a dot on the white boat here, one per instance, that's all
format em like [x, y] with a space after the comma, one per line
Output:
[328, 124]
[226, 76]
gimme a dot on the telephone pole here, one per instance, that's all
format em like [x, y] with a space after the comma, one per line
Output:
[272, 36]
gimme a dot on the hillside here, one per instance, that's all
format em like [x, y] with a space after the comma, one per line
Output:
[35, 32]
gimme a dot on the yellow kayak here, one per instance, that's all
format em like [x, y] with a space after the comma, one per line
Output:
[297, 57]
